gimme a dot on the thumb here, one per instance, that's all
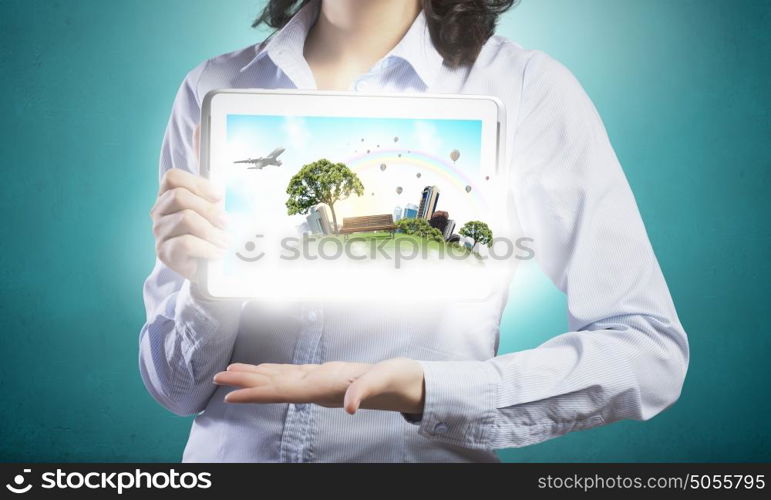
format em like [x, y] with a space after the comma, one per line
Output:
[197, 140]
[356, 392]
[369, 384]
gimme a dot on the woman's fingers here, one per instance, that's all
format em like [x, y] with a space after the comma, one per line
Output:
[197, 141]
[241, 379]
[180, 198]
[243, 367]
[268, 368]
[178, 178]
[323, 384]
[190, 222]
[187, 246]
[182, 253]
[259, 387]
[264, 395]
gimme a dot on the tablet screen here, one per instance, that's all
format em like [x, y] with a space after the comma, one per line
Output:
[342, 207]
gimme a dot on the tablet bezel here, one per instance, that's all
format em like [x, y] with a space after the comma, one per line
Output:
[217, 104]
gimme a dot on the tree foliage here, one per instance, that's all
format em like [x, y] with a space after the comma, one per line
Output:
[321, 182]
[421, 228]
[478, 231]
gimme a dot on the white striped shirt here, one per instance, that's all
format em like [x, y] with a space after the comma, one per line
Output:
[625, 356]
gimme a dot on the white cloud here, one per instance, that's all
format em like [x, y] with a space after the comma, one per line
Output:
[297, 132]
[428, 138]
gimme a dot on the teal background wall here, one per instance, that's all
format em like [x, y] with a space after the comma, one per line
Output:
[85, 91]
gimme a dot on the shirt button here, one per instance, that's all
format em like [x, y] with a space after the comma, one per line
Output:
[440, 428]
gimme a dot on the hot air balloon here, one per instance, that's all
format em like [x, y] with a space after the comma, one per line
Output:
[399, 190]
[382, 166]
[468, 189]
[454, 155]
[418, 175]
[396, 139]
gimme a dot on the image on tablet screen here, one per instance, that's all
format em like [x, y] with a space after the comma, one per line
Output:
[333, 204]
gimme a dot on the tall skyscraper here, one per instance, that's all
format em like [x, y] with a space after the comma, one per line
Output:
[449, 228]
[397, 214]
[428, 201]
[410, 211]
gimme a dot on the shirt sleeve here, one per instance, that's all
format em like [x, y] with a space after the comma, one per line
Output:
[626, 354]
[186, 339]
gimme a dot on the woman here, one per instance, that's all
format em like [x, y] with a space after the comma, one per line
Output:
[437, 390]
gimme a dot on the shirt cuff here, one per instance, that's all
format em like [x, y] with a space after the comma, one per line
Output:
[460, 402]
[205, 320]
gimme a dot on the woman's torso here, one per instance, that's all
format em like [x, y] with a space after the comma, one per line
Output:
[314, 333]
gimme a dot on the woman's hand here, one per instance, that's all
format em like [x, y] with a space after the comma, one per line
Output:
[188, 222]
[395, 384]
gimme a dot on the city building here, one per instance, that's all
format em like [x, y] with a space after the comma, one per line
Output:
[448, 229]
[467, 242]
[318, 220]
[428, 201]
[397, 214]
[410, 211]
[439, 220]
[326, 219]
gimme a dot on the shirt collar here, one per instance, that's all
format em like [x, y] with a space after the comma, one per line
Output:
[417, 49]
[285, 47]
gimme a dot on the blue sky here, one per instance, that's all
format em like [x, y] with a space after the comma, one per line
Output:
[307, 139]
[348, 140]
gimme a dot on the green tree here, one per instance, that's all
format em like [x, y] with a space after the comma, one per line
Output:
[478, 231]
[321, 182]
[420, 228]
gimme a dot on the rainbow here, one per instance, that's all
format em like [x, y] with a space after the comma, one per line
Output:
[420, 160]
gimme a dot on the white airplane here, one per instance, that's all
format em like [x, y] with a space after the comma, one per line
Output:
[260, 163]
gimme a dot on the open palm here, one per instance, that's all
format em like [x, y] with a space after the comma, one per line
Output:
[323, 384]
[395, 384]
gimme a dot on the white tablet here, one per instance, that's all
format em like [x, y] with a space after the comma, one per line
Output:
[334, 195]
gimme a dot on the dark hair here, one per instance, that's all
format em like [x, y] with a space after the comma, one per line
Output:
[458, 28]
